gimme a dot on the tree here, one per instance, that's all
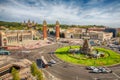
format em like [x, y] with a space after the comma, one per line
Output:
[118, 34]
[15, 74]
[39, 75]
[34, 69]
[36, 72]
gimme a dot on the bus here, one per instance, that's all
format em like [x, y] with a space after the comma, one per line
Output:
[42, 63]
[4, 52]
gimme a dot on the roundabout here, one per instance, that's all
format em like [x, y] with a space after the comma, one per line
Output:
[64, 70]
[110, 57]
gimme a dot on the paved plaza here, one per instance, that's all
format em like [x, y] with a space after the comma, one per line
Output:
[31, 44]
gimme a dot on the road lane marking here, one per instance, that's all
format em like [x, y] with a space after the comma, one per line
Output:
[116, 75]
[52, 77]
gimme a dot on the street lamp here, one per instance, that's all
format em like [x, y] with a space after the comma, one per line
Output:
[22, 48]
[77, 78]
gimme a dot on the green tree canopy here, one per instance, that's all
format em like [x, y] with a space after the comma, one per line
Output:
[15, 74]
[36, 72]
[118, 34]
[20, 26]
[34, 69]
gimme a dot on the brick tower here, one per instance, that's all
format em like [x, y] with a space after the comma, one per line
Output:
[57, 30]
[44, 30]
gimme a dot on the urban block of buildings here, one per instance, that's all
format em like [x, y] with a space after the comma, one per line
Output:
[13, 37]
[81, 33]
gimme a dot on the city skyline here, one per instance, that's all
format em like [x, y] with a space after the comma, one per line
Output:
[82, 12]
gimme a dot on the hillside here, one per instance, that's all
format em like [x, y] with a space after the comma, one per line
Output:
[20, 26]
[11, 25]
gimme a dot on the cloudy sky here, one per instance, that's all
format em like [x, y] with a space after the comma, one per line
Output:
[82, 12]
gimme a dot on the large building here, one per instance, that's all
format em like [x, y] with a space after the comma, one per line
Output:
[29, 24]
[12, 37]
[113, 30]
[74, 32]
[81, 33]
[100, 35]
[96, 29]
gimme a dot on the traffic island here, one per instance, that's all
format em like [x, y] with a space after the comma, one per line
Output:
[110, 57]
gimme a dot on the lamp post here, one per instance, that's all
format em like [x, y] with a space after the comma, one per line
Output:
[40, 61]
[77, 78]
[22, 49]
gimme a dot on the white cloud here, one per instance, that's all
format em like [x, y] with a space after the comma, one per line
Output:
[66, 14]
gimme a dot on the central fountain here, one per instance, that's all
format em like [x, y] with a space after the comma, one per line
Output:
[87, 50]
[91, 52]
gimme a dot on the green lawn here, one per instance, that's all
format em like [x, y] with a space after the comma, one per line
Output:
[110, 59]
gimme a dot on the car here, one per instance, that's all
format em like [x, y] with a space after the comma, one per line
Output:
[101, 70]
[49, 64]
[106, 70]
[52, 61]
[51, 52]
[96, 70]
[90, 67]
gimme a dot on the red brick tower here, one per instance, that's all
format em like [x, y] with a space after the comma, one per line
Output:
[44, 30]
[57, 30]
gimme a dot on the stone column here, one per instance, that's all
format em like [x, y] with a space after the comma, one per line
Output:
[57, 30]
[44, 30]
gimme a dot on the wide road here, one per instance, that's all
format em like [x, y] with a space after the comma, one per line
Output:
[67, 71]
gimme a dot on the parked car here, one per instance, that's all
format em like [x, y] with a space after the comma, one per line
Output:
[52, 61]
[90, 67]
[96, 70]
[105, 70]
[101, 70]
[49, 64]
